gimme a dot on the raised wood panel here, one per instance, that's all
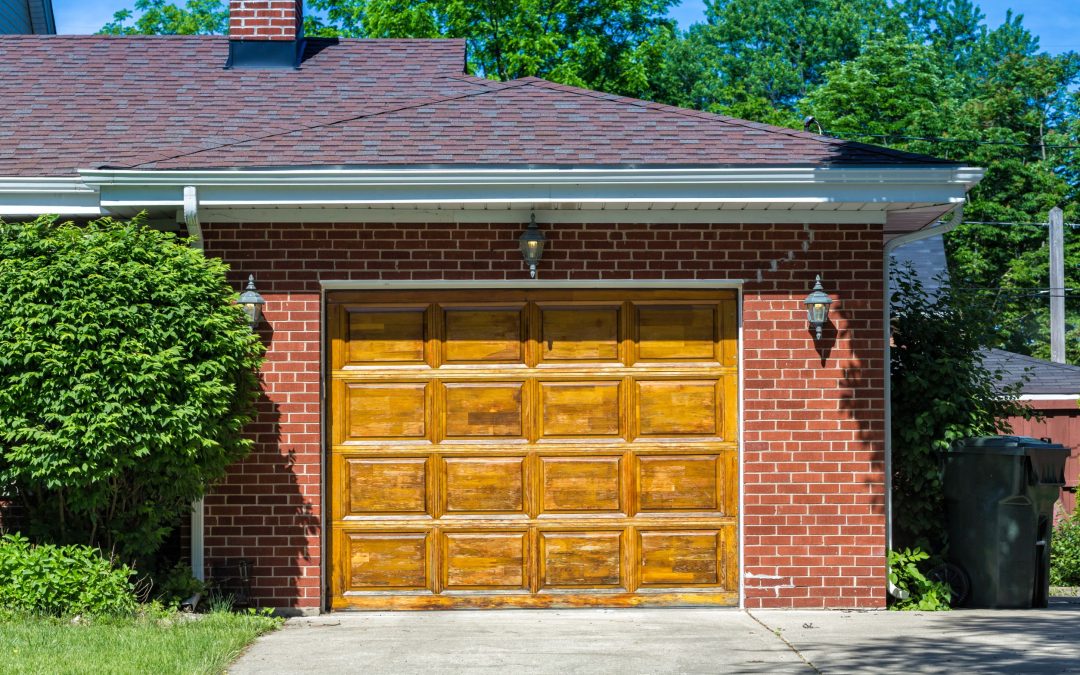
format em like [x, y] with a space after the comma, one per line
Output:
[677, 408]
[677, 332]
[678, 483]
[382, 560]
[484, 334]
[579, 409]
[579, 333]
[520, 448]
[385, 486]
[386, 335]
[677, 558]
[378, 410]
[581, 559]
[484, 484]
[485, 560]
[580, 484]
[483, 409]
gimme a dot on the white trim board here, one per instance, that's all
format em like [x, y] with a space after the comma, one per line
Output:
[539, 284]
[1050, 397]
[543, 216]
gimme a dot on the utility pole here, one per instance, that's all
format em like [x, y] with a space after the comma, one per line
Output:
[1057, 286]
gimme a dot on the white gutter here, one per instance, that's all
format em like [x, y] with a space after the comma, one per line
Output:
[31, 197]
[966, 176]
[806, 186]
[890, 246]
[126, 191]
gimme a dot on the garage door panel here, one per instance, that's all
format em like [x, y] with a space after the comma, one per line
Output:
[581, 484]
[578, 559]
[533, 448]
[484, 485]
[583, 333]
[678, 483]
[484, 334]
[676, 332]
[678, 558]
[386, 335]
[485, 560]
[386, 486]
[678, 408]
[386, 560]
[385, 410]
[483, 410]
[580, 409]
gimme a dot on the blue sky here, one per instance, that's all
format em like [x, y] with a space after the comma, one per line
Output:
[1056, 22]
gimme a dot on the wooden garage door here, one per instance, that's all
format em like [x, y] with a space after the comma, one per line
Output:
[533, 449]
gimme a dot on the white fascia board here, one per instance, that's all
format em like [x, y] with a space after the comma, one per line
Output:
[345, 187]
[31, 197]
[1049, 397]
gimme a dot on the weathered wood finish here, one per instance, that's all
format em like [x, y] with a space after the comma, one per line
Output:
[533, 449]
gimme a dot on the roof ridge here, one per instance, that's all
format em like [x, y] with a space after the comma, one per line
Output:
[1006, 354]
[500, 86]
[725, 119]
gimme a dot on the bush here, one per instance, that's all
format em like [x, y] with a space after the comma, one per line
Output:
[126, 375]
[1065, 553]
[917, 592]
[61, 580]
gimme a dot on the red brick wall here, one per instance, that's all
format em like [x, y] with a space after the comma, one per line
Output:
[813, 420]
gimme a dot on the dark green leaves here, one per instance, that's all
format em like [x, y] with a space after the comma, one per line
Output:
[126, 377]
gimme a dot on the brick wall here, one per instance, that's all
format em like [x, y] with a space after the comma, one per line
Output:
[813, 420]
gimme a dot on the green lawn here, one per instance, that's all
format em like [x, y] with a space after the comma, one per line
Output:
[166, 643]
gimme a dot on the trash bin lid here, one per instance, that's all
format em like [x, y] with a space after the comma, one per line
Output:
[1003, 445]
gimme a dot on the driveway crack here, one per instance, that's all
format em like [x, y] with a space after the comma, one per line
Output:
[779, 634]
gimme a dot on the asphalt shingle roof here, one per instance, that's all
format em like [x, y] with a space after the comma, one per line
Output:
[1046, 377]
[71, 102]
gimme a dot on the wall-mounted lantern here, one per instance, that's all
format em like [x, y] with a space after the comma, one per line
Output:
[532, 242]
[251, 302]
[817, 307]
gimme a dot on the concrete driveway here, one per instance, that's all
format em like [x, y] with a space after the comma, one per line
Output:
[675, 641]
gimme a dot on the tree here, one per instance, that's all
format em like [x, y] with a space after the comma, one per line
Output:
[126, 376]
[157, 17]
[941, 392]
[758, 58]
[894, 90]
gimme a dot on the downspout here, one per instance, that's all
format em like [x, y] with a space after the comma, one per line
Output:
[198, 544]
[944, 228]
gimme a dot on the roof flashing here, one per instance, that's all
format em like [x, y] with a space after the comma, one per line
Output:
[265, 54]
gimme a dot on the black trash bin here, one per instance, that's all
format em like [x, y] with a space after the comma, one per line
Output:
[999, 500]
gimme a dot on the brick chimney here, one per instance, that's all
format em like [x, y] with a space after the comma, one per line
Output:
[265, 33]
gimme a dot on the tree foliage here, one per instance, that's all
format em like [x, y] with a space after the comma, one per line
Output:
[126, 375]
[941, 392]
[158, 17]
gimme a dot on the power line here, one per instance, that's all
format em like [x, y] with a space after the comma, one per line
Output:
[939, 139]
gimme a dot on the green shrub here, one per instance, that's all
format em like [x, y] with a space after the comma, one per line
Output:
[920, 593]
[126, 375]
[61, 580]
[1065, 553]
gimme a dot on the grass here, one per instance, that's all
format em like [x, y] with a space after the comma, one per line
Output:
[154, 642]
